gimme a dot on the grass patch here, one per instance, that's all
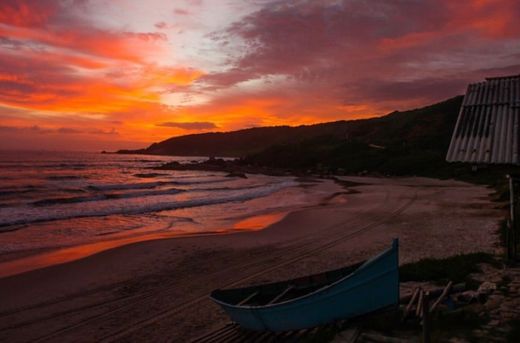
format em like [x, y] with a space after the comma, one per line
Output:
[460, 323]
[456, 268]
[503, 285]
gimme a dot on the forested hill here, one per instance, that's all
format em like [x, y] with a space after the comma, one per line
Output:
[425, 129]
[240, 143]
[402, 143]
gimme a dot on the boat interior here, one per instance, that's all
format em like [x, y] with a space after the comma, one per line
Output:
[273, 293]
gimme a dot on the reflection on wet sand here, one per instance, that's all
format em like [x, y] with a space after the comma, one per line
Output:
[46, 259]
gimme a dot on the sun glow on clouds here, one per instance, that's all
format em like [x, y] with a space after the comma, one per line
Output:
[99, 74]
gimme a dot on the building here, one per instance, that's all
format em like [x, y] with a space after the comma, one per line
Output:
[487, 129]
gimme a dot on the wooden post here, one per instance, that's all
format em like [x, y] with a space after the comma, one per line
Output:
[409, 307]
[515, 224]
[418, 310]
[426, 317]
[511, 239]
[508, 240]
[443, 295]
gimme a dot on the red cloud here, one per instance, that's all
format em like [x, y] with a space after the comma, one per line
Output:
[56, 24]
[27, 13]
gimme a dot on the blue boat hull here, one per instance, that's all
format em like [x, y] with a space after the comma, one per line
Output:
[372, 286]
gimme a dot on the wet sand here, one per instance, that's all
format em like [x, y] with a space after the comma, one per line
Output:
[157, 290]
[40, 259]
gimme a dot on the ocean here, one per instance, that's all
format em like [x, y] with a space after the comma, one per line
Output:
[51, 200]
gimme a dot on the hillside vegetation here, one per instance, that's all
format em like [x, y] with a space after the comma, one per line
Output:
[240, 143]
[411, 142]
[398, 129]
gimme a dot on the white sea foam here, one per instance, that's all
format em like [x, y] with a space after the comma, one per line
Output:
[10, 216]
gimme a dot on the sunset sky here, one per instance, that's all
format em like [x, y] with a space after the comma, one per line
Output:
[110, 74]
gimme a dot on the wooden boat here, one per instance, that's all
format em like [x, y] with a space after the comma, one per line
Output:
[317, 299]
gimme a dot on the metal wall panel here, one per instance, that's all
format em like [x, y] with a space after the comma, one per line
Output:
[487, 129]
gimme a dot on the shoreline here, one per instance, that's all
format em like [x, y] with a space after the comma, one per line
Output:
[17, 262]
[432, 218]
[37, 259]
[232, 167]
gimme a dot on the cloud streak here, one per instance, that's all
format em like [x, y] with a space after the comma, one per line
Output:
[189, 125]
[384, 51]
[36, 129]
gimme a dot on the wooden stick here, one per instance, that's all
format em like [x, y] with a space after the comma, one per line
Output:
[410, 304]
[347, 336]
[419, 303]
[247, 299]
[426, 317]
[279, 296]
[443, 295]
[382, 339]
[459, 287]
[510, 239]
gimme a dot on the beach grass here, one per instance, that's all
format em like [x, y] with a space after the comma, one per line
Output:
[456, 268]
[514, 334]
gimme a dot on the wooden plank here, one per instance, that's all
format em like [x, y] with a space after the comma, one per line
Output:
[262, 337]
[247, 336]
[419, 303]
[509, 236]
[209, 336]
[347, 336]
[374, 337]
[235, 336]
[410, 304]
[251, 296]
[457, 288]
[301, 334]
[221, 337]
[279, 296]
[426, 318]
[443, 295]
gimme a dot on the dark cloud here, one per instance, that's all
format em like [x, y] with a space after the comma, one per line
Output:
[111, 131]
[388, 90]
[161, 25]
[10, 43]
[148, 36]
[68, 130]
[180, 11]
[189, 125]
[372, 51]
[36, 129]
[287, 38]
[8, 129]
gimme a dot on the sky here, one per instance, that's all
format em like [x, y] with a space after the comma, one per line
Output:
[110, 74]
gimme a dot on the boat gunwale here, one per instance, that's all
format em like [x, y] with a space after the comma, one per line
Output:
[319, 290]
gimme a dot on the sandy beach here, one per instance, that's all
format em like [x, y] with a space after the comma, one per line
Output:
[158, 290]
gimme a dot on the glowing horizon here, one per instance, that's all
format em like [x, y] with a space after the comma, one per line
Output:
[101, 74]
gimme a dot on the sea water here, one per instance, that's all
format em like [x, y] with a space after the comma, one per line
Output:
[55, 200]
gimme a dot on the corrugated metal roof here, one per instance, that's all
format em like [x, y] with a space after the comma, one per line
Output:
[487, 129]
